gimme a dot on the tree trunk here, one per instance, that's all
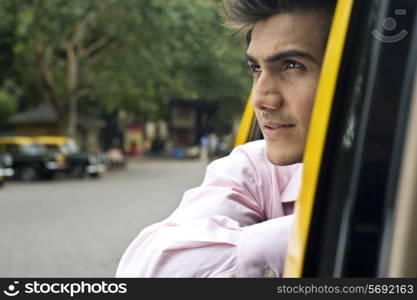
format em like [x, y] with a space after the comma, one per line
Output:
[63, 121]
[72, 117]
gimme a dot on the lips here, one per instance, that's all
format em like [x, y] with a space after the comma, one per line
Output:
[277, 125]
[276, 130]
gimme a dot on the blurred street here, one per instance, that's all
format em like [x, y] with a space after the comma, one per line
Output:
[80, 228]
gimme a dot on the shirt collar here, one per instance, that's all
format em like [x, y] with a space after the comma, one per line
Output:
[292, 191]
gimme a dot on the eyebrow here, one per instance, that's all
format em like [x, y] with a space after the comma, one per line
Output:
[283, 55]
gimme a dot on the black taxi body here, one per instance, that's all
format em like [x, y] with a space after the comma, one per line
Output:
[30, 160]
[78, 164]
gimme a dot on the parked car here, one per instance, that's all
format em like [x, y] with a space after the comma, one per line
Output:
[6, 169]
[79, 164]
[31, 160]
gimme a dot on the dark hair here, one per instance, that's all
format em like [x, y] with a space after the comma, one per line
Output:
[244, 14]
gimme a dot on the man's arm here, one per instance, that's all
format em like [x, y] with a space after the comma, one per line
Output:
[219, 229]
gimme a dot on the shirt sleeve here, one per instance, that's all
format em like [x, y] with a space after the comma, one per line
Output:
[219, 230]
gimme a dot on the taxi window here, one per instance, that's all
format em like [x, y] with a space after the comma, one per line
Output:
[33, 149]
[353, 153]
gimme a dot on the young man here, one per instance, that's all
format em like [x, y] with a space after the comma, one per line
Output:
[237, 223]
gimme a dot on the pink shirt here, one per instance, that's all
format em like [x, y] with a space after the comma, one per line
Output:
[236, 224]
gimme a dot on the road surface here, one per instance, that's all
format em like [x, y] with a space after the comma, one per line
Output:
[80, 228]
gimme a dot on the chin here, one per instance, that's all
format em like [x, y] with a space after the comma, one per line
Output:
[284, 158]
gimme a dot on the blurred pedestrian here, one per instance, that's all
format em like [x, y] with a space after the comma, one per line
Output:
[204, 146]
[213, 144]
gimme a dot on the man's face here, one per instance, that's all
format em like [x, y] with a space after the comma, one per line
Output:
[284, 57]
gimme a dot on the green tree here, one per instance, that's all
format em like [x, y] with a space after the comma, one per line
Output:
[9, 95]
[175, 50]
[129, 54]
[59, 42]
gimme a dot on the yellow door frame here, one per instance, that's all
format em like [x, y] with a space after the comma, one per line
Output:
[246, 124]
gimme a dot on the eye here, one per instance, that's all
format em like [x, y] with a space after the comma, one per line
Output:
[254, 68]
[292, 64]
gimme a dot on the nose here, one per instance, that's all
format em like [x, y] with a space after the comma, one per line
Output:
[266, 93]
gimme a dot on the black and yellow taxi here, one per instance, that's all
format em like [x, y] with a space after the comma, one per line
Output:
[355, 216]
[30, 160]
[79, 164]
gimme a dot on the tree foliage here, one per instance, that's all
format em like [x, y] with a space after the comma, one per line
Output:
[126, 54]
[9, 93]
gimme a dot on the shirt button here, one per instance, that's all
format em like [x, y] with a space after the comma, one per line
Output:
[269, 273]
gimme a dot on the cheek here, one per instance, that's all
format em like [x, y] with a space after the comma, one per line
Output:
[304, 109]
[303, 105]
[301, 108]
[308, 111]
